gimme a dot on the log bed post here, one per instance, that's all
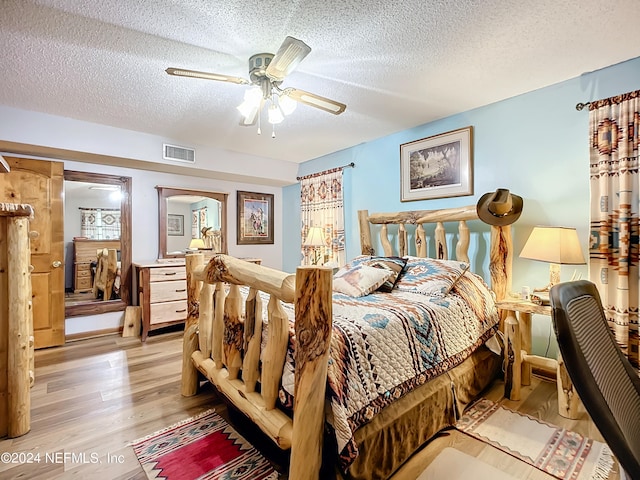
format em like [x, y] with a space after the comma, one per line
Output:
[313, 337]
[16, 320]
[501, 260]
[189, 382]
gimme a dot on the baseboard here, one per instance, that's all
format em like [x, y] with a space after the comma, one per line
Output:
[92, 334]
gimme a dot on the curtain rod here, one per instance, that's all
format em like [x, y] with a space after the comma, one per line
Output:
[326, 171]
[609, 101]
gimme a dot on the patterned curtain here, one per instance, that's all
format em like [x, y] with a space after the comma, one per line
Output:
[322, 206]
[100, 223]
[199, 220]
[614, 136]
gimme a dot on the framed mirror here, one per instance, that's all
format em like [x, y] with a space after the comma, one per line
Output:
[191, 219]
[97, 217]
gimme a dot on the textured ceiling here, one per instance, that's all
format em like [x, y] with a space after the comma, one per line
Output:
[395, 64]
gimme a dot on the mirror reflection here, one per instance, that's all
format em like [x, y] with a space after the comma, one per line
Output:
[191, 220]
[97, 242]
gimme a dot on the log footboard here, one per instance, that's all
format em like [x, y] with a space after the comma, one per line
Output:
[224, 342]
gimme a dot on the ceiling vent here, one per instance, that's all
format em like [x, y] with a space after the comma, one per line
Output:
[178, 154]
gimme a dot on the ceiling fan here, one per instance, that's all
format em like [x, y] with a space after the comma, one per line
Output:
[266, 73]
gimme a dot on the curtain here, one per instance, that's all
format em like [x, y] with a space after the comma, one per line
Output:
[100, 223]
[322, 206]
[614, 136]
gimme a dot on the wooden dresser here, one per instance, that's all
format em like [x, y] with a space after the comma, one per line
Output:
[162, 294]
[85, 252]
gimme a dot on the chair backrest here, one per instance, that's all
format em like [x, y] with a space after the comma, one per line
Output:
[608, 385]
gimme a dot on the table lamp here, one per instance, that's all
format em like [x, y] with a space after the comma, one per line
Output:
[556, 246]
[315, 239]
[196, 244]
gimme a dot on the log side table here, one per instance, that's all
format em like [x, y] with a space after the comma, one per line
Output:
[517, 326]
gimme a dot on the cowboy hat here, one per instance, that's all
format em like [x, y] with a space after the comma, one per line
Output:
[499, 208]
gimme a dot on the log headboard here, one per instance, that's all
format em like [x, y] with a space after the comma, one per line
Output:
[500, 257]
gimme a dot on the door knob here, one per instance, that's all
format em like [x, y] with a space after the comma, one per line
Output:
[57, 264]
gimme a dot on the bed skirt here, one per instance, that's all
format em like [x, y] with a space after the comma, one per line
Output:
[398, 431]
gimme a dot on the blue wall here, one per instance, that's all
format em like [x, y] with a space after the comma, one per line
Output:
[534, 144]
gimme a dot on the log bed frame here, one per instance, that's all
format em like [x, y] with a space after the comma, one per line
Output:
[216, 331]
[16, 320]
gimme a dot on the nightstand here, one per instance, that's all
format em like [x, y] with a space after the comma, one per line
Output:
[517, 329]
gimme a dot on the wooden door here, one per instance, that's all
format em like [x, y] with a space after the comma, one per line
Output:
[40, 183]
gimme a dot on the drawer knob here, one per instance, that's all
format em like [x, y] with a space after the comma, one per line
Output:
[57, 264]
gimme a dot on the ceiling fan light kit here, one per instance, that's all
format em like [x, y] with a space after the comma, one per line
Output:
[266, 73]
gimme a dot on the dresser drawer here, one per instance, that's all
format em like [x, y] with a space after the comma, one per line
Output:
[83, 283]
[82, 271]
[162, 274]
[168, 312]
[167, 291]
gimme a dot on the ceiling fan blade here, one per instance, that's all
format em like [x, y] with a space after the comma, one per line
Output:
[316, 101]
[179, 72]
[289, 55]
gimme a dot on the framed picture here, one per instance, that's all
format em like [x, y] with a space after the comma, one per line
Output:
[437, 167]
[175, 225]
[255, 218]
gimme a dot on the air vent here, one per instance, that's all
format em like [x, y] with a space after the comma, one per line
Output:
[178, 154]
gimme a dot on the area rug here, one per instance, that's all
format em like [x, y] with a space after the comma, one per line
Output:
[452, 464]
[201, 447]
[554, 450]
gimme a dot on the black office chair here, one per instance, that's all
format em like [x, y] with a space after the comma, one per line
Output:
[608, 385]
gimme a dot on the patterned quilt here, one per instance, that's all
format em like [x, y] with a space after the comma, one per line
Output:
[384, 345]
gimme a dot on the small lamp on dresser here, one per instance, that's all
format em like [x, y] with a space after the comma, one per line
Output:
[556, 246]
[196, 244]
[315, 240]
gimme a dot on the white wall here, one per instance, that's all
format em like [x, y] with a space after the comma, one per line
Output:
[36, 128]
[144, 201]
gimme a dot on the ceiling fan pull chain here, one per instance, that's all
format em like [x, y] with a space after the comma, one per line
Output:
[259, 129]
[273, 132]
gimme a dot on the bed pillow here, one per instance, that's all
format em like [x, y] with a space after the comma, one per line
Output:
[430, 276]
[359, 280]
[393, 264]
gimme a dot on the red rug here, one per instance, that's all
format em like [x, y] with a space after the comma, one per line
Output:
[202, 447]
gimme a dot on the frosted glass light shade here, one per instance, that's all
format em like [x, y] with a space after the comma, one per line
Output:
[287, 104]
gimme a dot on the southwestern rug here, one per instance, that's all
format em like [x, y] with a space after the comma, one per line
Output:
[559, 452]
[201, 447]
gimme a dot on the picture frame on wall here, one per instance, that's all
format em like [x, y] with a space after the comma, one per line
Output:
[255, 218]
[440, 166]
[175, 225]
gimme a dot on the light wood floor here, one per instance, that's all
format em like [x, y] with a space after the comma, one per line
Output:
[92, 398]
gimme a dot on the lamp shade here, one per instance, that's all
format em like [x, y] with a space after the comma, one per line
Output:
[554, 245]
[315, 237]
[196, 243]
